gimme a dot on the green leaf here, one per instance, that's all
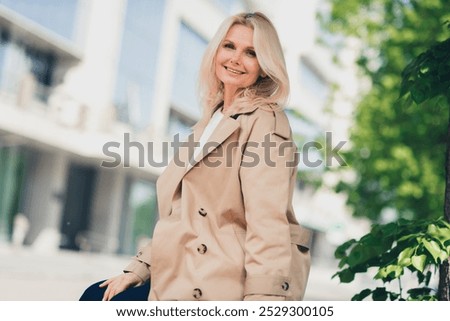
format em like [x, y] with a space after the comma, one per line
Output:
[357, 255]
[342, 263]
[389, 272]
[405, 87]
[440, 233]
[424, 278]
[390, 229]
[428, 278]
[418, 261]
[433, 248]
[346, 276]
[398, 271]
[422, 294]
[393, 296]
[443, 255]
[383, 272]
[405, 262]
[418, 94]
[407, 237]
[432, 228]
[380, 294]
[362, 295]
[341, 251]
[404, 258]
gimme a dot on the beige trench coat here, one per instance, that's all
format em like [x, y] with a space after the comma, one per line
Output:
[227, 229]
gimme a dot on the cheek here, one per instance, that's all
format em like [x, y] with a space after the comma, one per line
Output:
[218, 67]
[254, 71]
[253, 67]
[221, 56]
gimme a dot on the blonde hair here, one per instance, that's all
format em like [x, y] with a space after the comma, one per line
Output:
[272, 90]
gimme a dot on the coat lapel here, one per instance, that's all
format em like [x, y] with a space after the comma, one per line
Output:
[223, 130]
[178, 167]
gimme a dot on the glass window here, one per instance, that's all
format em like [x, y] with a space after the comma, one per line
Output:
[41, 67]
[11, 181]
[179, 124]
[56, 15]
[137, 63]
[229, 6]
[140, 217]
[307, 138]
[313, 83]
[21, 61]
[189, 55]
[300, 126]
[4, 38]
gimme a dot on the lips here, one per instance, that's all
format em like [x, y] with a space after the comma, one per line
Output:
[234, 71]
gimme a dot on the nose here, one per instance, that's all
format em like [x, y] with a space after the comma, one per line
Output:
[236, 58]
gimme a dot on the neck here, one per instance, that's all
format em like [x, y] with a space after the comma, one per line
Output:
[229, 94]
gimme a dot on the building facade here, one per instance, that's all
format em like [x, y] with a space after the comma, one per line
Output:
[93, 92]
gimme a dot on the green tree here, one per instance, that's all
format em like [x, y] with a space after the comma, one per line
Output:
[397, 152]
[389, 250]
[427, 78]
[399, 146]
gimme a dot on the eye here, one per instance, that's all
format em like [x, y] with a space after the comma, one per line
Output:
[228, 45]
[251, 53]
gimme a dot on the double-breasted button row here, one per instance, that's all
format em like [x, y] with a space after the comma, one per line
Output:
[197, 293]
[202, 212]
[202, 249]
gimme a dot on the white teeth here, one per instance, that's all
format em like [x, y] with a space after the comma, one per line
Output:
[234, 71]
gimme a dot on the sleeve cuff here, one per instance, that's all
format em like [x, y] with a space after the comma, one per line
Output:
[139, 268]
[267, 286]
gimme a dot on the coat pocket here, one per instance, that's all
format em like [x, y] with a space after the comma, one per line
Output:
[300, 261]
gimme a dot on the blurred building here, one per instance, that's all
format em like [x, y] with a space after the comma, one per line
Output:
[85, 84]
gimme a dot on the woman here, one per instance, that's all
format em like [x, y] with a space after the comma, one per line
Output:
[227, 230]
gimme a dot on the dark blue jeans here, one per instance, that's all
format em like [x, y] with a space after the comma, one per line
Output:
[95, 293]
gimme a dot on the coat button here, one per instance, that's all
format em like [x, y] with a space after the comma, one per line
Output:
[202, 249]
[197, 293]
[139, 254]
[202, 212]
[285, 286]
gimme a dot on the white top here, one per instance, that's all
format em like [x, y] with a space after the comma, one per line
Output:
[209, 129]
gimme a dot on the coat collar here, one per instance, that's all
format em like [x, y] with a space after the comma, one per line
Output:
[224, 129]
[178, 167]
[247, 109]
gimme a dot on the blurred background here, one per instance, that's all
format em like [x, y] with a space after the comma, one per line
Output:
[77, 74]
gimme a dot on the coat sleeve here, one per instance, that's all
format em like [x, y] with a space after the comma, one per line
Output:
[267, 170]
[140, 264]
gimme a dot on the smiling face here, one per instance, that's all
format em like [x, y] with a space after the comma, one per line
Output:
[236, 63]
